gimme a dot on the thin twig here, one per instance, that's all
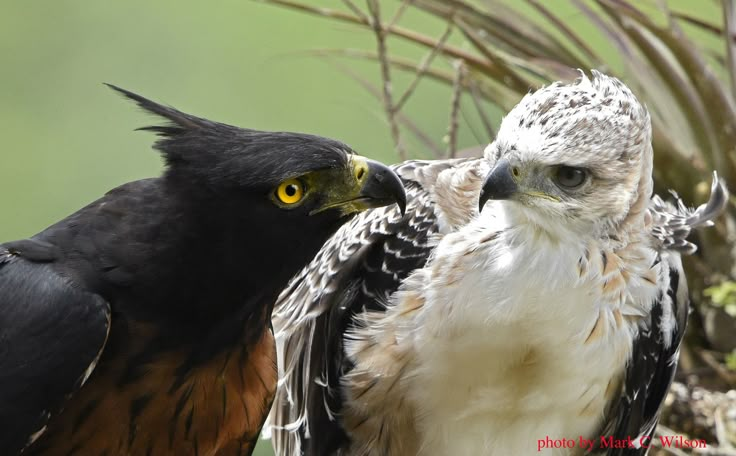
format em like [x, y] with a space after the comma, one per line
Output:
[476, 97]
[725, 375]
[729, 25]
[473, 60]
[484, 91]
[357, 11]
[412, 127]
[567, 31]
[380, 32]
[504, 72]
[700, 23]
[478, 138]
[325, 12]
[423, 67]
[446, 77]
[457, 91]
[399, 13]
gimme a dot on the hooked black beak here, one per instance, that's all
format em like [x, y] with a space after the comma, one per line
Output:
[499, 184]
[381, 187]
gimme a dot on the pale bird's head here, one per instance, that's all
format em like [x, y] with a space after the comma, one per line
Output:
[579, 153]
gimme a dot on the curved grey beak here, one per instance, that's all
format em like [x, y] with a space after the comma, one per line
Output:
[382, 186]
[499, 184]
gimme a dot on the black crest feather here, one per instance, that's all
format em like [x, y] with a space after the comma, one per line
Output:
[180, 122]
[225, 155]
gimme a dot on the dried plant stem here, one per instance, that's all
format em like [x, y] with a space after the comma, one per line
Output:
[423, 67]
[357, 11]
[727, 376]
[569, 33]
[729, 26]
[399, 13]
[473, 60]
[476, 97]
[404, 120]
[483, 90]
[380, 33]
[457, 91]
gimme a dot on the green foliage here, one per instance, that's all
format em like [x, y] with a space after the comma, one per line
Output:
[731, 360]
[723, 295]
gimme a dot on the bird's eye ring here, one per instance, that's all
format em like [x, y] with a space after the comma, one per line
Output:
[570, 177]
[290, 191]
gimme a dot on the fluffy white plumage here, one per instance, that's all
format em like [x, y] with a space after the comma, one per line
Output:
[556, 312]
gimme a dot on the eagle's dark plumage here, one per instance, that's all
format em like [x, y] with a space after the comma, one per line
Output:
[141, 323]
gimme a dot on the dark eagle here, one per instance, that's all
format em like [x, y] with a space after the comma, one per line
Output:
[140, 325]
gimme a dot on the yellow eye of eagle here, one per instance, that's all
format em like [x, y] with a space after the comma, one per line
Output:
[290, 191]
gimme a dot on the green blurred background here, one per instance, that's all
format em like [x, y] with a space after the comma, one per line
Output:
[66, 139]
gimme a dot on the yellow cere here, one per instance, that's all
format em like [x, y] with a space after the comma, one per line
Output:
[543, 196]
[360, 168]
[290, 191]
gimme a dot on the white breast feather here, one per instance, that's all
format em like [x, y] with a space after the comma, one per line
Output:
[500, 357]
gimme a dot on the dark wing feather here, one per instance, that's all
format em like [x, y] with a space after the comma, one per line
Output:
[355, 271]
[651, 369]
[51, 335]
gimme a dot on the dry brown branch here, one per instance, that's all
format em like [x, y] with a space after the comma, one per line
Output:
[357, 11]
[399, 13]
[380, 33]
[421, 136]
[457, 91]
[475, 96]
[485, 91]
[729, 25]
[423, 67]
[473, 61]
[566, 31]
[728, 376]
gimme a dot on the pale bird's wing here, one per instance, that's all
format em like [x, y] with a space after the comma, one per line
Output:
[355, 272]
[653, 363]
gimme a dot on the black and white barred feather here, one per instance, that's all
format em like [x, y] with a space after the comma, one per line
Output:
[673, 222]
[355, 272]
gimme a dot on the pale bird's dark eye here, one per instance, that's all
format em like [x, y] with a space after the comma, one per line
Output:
[570, 177]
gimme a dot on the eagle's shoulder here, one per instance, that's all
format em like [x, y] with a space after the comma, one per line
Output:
[52, 332]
